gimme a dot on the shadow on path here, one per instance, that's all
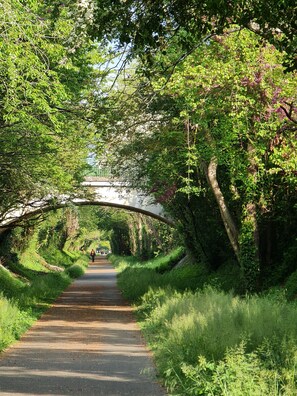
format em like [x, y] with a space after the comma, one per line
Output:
[87, 343]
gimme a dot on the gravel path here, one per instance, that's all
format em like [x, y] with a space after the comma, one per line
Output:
[87, 343]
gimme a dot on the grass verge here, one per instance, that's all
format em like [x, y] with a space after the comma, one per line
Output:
[24, 298]
[208, 341]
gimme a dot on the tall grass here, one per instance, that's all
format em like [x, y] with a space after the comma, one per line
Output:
[21, 305]
[135, 278]
[10, 285]
[210, 342]
[22, 300]
[13, 321]
[209, 324]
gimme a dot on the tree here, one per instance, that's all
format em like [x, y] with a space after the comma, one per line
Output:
[225, 125]
[152, 24]
[235, 95]
[47, 82]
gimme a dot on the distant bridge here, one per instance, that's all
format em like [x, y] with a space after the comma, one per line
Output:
[119, 195]
[101, 192]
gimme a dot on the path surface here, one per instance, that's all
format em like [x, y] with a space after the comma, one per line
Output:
[88, 343]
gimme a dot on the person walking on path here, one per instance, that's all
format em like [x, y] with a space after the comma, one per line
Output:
[93, 254]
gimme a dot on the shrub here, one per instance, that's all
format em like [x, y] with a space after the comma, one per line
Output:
[83, 261]
[75, 271]
[208, 341]
[188, 328]
[54, 256]
[238, 374]
[135, 278]
[166, 263]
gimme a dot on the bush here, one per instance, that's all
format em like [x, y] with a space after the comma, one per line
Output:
[238, 374]
[75, 271]
[42, 291]
[193, 332]
[208, 341]
[83, 261]
[54, 256]
[166, 263]
[26, 304]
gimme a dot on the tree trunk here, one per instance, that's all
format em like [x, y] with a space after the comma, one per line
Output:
[230, 226]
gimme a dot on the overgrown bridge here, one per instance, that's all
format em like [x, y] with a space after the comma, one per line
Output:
[97, 191]
[118, 194]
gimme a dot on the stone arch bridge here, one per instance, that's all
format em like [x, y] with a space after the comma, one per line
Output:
[99, 191]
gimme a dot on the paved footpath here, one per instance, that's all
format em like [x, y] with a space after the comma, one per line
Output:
[87, 343]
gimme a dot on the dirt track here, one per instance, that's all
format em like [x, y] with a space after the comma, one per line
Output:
[88, 343]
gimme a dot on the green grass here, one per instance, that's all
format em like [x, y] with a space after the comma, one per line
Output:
[13, 321]
[216, 329]
[57, 257]
[135, 278]
[10, 284]
[25, 294]
[206, 340]
[21, 303]
[291, 286]
[76, 270]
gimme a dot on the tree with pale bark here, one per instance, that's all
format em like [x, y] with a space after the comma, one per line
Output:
[226, 126]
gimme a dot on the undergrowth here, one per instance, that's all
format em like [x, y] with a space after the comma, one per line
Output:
[206, 339]
[28, 287]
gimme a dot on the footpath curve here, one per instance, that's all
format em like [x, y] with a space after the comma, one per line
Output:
[87, 343]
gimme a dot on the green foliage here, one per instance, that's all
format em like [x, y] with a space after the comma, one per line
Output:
[167, 261]
[22, 304]
[75, 270]
[238, 374]
[249, 260]
[28, 282]
[58, 231]
[220, 154]
[43, 290]
[56, 257]
[83, 261]
[46, 79]
[88, 218]
[207, 341]
[209, 322]
[13, 322]
[10, 285]
[290, 286]
[155, 25]
[135, 277]
[210, 325]
[134, 233]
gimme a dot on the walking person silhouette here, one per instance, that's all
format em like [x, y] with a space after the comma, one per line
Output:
[93, 254]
